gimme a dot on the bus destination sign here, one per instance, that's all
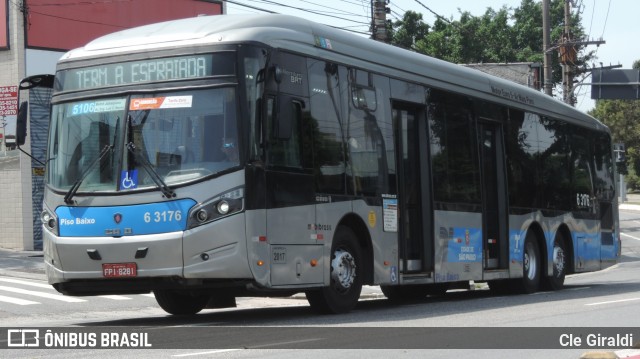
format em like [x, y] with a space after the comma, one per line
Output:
[136, 72]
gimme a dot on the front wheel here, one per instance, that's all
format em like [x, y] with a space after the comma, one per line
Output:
[345, 286]
[176, 303]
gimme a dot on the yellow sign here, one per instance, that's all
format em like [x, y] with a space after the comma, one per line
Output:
[372, 219]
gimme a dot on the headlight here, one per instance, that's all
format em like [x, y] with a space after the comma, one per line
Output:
[223, 207]
[215, 208]
[49, 221]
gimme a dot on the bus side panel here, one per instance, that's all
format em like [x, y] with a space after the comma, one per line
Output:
[587, 244]
[217, 250]
[288, 228]
[609, 234]
[257, 246]
[458, 237]
[384, 244]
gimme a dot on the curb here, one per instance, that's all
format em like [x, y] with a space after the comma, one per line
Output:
[618, 354]
[629, 207]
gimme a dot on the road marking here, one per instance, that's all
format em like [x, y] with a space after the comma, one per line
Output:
[16, 301]
[114, 297]
[33, 284]
[285, 343]
[206, 353]
[614, 301]
[630, 236]
[42, 294]
[48, 286]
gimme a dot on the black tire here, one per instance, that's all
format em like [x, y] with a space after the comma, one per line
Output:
[531, 265]
[342, 295]
[180, 303]
[559, 257]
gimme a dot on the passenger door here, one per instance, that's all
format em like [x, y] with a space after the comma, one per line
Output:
[416, 251]
[494, 196]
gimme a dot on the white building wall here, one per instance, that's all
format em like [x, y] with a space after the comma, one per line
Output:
[16, 218]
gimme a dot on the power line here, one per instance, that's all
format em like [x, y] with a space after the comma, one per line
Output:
[345, 28]
[312, 11]
[606, 19]
[76, 20]
[79, 3]
[433, 12]
[250, 6]
[339, 10]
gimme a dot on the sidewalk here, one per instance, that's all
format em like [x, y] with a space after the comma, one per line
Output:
[632, 202]
[22, 264]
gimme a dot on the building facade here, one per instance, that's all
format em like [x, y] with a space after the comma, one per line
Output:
[34, 34]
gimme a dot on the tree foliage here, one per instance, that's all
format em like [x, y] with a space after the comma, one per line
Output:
[505, 35]
[623, 118]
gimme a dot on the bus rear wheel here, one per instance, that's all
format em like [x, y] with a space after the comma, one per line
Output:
[531, 265]
[345, 286]
[556, 280]
[177, 303]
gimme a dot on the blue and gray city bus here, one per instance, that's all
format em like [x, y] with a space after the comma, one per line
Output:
[210, 158]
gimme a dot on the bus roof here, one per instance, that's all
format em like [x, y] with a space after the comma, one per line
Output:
[310, 38]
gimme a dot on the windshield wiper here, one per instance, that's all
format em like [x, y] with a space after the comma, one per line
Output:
[68, 198]
[166, 190]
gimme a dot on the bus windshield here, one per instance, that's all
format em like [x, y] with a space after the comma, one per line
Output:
[120, 144]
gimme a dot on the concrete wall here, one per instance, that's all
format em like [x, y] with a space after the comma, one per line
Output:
[16, 218]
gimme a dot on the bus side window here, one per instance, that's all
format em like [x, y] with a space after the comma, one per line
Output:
[284, 141]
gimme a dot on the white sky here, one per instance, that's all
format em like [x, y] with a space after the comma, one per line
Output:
[615, 21]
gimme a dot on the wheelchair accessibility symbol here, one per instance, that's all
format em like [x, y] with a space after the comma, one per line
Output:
[129, 179]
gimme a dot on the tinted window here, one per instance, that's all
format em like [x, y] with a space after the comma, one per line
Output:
[581, 183]
[285, 149]
[604, 180]
[555, 164]
[369, 133]
[326, 127]
[453, 148]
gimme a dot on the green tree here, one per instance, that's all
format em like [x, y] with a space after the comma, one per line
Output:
[623, 118]
[409, 30]
[504, 35]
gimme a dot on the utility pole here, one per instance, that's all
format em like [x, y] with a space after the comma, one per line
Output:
[568, 57]
[379, 11]
[568, 53]
[546, 42]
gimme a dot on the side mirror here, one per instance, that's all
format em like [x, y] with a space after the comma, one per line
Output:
[37, 81]
[21, 123]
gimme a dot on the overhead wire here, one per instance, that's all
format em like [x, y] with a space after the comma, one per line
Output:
[606, 19]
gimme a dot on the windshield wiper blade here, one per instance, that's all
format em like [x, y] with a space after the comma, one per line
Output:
[68, 198]
[166, 190]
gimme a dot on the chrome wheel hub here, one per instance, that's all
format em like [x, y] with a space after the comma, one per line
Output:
[343, 270]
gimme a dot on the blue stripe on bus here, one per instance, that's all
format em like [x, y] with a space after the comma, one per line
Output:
[587, 246]
[117, 221]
